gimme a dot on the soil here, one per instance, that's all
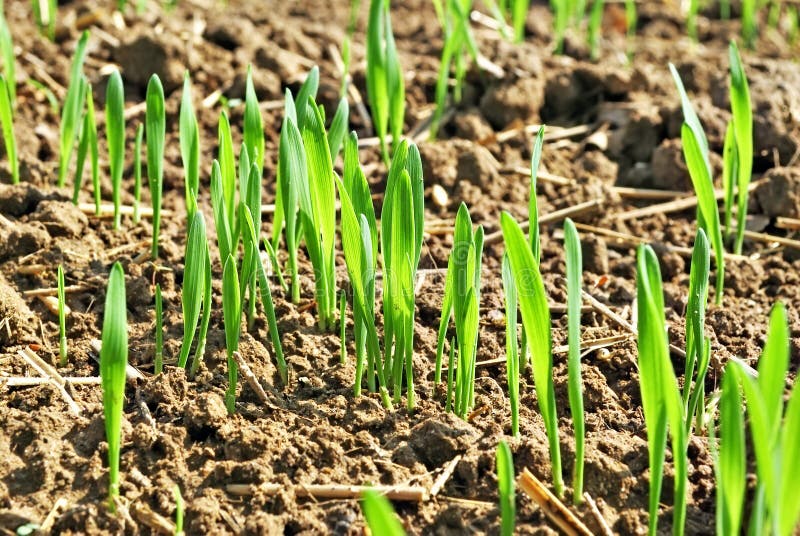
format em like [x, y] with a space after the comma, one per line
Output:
[176, 430]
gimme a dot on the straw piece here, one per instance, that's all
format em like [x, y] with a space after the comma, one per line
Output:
[332, 491]
[552, 506]
[552, 217]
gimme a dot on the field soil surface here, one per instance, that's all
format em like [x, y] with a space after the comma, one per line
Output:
[613, 125]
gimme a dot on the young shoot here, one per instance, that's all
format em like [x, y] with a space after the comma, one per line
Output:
[512, 348]
[232, 318]
[8, 59]
[7, 123]
[137, 173]
[459, 43]
[774, 432]
[505, 489]
[113, 363]
[380, 516]
[45, 13]
[87, 146]
[402, 220]
[695, 152]
[572, 246]
[661, 396]
[385, 83]
[461, 301]
[62, 319]
[536, 324]
[189, 135]
[194, 281]
[156, 131]
[742, 113]
[176, 492]
[158, 358]
[115, 133]
[71, 111]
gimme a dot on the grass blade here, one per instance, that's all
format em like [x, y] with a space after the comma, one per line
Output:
[113, 362]
[156, 131]
[536, 323]
[158, 359]
[71, 111]
[232, 317]
[190, 146]
[115, 134]
[505, 489]
[7, 123]
[572, 245]
[8, 59]
[62, 319]
[512, 348]
[732, 461]
[137, 172]
[381, 519]
[253, 137]
[743, 133]
[193, 283]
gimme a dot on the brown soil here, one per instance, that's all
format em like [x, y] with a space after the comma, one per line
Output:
[315, 432]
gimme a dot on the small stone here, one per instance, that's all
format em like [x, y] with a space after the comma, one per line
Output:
[439, 196]
[520, 100]
[477, 165]
[779, 194]
[144, 54]
[205, 414]
[594, 253]
[61, 218]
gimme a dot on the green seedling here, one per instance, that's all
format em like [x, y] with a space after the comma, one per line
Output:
[287, 190]
[561, 16]
[572, 246]
[62, 319]
[661, 396]
[695, 152]
[698, 345]
[115, 133]
[137, 174]
[730, 456]
[194, 280]
[253, 135]
[348, 39]
[742, 113]
[317, 211]
[232, 318]
[156, 132]
[533, 217]
[113, 363]
[594, 27]
[519, 11]
[385, 83]
[8, 59]
[158, 359]
[461, 301]
[536, 324]
[505, 489]
[774, 432]
[380, 516]
[88, 145]
[189, 135]
[749, 29]
[251, 242]
[338, 128]
[342, 328]
[176, 492]
[730, 172]
[45, 13]
[631, 21]
[402, 220]
[512, 348]
[360, 235]
[71, 111]
[7, 123]
[459, 43]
